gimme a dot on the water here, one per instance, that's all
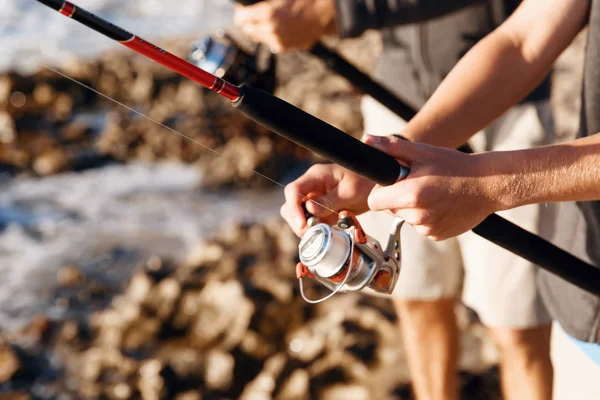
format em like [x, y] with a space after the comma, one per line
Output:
[109, 219]
[32, 33]
[106, 220]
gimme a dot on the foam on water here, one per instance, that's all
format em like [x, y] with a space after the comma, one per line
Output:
[105, 220]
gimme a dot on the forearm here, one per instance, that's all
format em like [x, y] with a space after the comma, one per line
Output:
[564, 172]
[498, 72]
[356, 16]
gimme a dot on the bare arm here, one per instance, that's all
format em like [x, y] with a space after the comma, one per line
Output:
[564, 172]
[499, 71]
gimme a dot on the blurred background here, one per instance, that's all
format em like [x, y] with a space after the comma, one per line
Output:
[135, 263]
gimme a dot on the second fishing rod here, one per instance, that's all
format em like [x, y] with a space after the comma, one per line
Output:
[333, 144]
[356, 77]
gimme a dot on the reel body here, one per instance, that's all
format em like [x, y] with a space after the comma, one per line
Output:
[343, 258]
[223, 56]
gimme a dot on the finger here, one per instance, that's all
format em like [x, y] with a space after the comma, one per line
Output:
[402, 150]
[395, 197]
[289, 217]
[261, 33]
[253, 14]
[323, 206]
[313, 181]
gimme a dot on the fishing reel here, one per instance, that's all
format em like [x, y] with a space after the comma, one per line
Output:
[343, 258]
[223, 56]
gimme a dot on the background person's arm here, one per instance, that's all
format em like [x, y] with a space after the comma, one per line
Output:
[299, 24]
[499, 71]
[354, 17]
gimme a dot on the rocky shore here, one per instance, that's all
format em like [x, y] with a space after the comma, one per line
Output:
[228, 322]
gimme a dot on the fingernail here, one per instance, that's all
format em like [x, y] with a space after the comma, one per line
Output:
[374, 141]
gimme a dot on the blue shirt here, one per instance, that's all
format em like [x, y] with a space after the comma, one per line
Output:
[592, 350]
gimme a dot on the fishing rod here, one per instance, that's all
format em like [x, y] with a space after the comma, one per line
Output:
[333, 144]
[356, 77]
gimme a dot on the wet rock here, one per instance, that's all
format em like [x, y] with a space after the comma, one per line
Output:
[62, 106]
[75, 131]
[5, 89]
[43, 94]
[8, 134]
[219, 370]
[296, 387]
[139, 287]
[226, 322]
[189, 395]
[9, 363]
[51, 162]
[69, 276]
[344, 392]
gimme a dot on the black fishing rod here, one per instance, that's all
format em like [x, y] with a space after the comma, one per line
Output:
[333, 144]
[356, 77]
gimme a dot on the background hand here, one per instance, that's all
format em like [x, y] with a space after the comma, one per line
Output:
[287, 24]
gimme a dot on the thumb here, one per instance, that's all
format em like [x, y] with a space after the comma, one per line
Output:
[400, 149]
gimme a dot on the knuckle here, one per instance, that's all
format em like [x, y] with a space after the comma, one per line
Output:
[421, 217]
[423, 230]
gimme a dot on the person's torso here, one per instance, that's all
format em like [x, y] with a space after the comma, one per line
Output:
[578, 312]
[416, 58]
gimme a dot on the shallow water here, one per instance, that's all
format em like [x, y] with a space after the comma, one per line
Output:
[107, 221]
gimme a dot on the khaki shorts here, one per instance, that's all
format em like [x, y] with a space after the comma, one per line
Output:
[500, 286]
[576, 376]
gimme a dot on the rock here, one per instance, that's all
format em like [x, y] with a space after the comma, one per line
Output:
[189, 395]
[75, 131]
[51, 162]
[139, 287]
[8, 134]
[69, 276]
[344, 392]
[119, 391]
[5, 89]
[219, 370]
[296, 387]
[62, 107]
[226, 322]
[141, 334]
[43, 94]
[9, 363]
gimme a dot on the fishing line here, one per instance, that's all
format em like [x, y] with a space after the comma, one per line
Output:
[179, 133]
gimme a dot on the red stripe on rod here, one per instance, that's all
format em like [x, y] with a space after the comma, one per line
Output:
[67, 9]
[183, 67]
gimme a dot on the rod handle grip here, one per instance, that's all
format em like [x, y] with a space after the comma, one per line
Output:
[318, 136]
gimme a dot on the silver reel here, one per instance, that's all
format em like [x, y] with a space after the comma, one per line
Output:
[343, 258]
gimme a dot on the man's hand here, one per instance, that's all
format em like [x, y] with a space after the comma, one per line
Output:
[287, 24]
[332, 189]
[446, 194]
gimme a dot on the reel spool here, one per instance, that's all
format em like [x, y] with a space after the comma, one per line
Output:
[223, 56]
[343, 258]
